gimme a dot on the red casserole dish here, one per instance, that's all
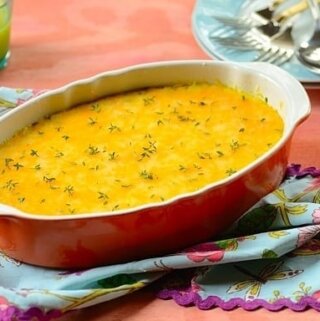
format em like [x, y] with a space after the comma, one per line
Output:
[86, 240]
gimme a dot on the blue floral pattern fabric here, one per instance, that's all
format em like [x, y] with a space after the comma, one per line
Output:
[269, 258]
[273, 260]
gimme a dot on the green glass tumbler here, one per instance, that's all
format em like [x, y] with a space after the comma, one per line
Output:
[5, 23]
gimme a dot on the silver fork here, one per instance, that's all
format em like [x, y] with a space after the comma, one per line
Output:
[268, 51]
[275, 55]
[248, 39]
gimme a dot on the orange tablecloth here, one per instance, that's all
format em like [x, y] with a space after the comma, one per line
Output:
[54, 42]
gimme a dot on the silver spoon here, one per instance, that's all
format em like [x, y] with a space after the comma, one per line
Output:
[309, 51]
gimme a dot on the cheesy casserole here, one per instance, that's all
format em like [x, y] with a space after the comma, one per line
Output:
[135, 148]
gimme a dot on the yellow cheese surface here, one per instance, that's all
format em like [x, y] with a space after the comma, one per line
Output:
[135, 148]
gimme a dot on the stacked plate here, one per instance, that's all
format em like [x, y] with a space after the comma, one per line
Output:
[204, 24]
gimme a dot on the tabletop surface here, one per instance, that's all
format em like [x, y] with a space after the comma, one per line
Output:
[55, 42]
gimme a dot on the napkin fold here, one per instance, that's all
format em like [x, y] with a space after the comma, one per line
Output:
[269, 258]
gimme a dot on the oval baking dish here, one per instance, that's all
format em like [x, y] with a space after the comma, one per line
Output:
[85, 240]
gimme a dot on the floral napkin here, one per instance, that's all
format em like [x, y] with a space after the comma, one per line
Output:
[270, 258]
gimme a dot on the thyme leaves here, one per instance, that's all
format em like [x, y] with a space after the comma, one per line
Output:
[93, 150]
[10, 185]
[96, 107]
[148, 100]
[34, 153]
[113, 128]
[69, 189]
[18, 166]
[148, 150]
[113, 156]
[7, 161]
[103, 197]
[47, 179]
[219, 153]
[146, 175]
[92, 121]
[230, 171]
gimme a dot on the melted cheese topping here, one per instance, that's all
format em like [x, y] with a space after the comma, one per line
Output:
[135, 148]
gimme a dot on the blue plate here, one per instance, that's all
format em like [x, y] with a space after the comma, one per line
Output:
[203, 24]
